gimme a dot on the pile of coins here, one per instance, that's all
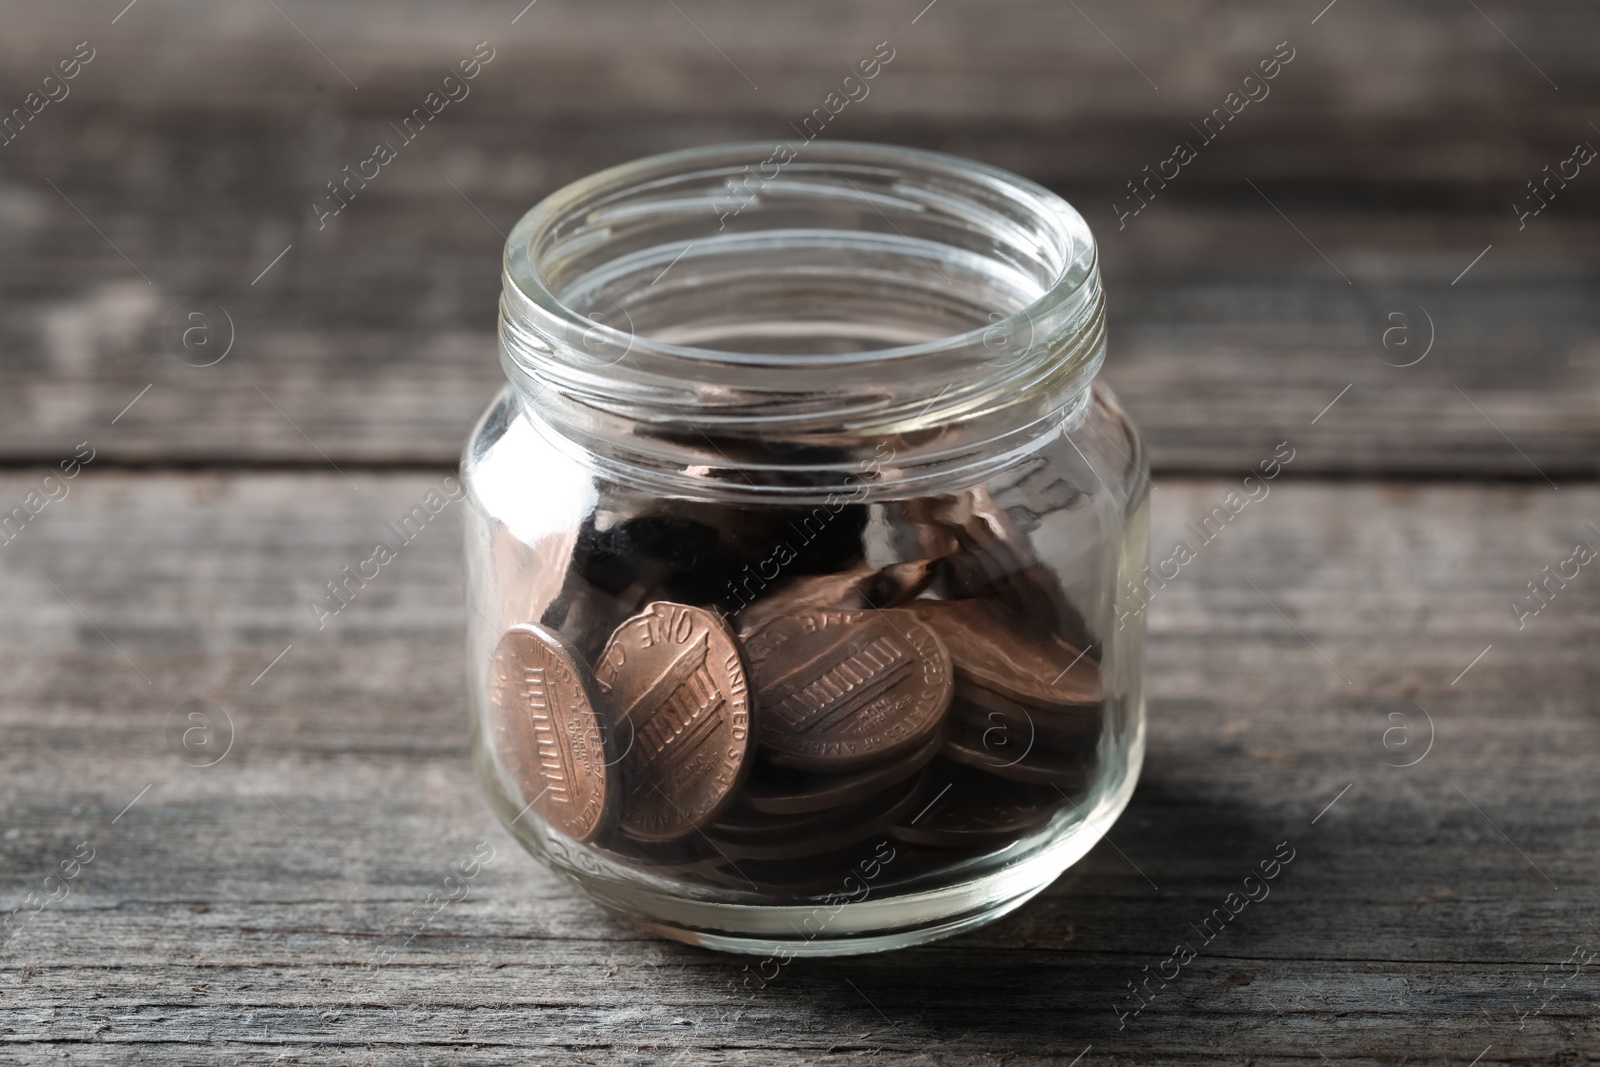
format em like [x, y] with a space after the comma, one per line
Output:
[758, 748]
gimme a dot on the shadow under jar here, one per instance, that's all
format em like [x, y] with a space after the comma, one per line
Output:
[801, 547]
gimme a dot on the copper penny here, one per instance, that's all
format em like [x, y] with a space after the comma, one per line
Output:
[852, 590]
[974, 811]
[685, 858]
[770, 838]
[784, 791]
[843, 688]
[1077, 726]
[996, 559]
[992, 648]
[1019, 757]
[742, 826]
[832, 874]
[677, 685]
[548, 732]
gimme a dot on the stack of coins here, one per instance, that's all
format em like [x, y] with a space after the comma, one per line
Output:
[755, 752]
[1027, 706]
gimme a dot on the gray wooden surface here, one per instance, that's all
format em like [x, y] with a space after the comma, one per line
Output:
[1442, 912]
[233, 906]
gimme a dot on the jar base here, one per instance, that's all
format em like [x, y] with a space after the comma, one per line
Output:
[859, 945]
[871, 925]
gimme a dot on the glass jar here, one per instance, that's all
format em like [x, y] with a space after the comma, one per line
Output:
[803, 547]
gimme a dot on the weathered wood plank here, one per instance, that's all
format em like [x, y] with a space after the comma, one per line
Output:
[210, 925]
[196, 142]
[1031, 59]
[1229, 333]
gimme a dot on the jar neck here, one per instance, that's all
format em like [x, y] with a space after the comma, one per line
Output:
[692, 320]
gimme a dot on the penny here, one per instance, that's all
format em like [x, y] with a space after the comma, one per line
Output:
[992, 648]
[547, 728]
[674, 860]
[1071, 727]
[741, 823]
[679, 551]
[786, 839]
[996, 559]
[849, 874]
[778, 790]
[990, 739]
[918, 527]
[685, 851]
[851, 590]
[592, 614]
[974, 811]
[678, 688]
[843, 688]
[1021, 759]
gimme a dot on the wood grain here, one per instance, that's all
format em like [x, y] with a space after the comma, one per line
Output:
[1229, 333]
[227, 913]
[958, 59]
[1432, 911]
[190, 151]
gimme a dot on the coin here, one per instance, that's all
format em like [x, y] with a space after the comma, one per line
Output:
[964, 809]
[994, 649]
[1069, 727]
[683, 858]
[850, 590]
[996, 560]
[918, 527]
[1022, 759]
[741, 823]
[677, 685]
[784, 791]
[759, 837]
[676, 551]
[591, 614]
[999, 738]
[842, 688]
[547, 729]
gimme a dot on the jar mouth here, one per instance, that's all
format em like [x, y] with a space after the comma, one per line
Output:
[828, 293]
[721, 197]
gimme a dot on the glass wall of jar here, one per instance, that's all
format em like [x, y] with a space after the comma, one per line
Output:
[802, 546]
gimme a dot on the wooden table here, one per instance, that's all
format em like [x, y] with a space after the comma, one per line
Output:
[1442, 911]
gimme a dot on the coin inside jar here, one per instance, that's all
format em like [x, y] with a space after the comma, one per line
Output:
[676, 683]
[1077, 726]
[994, 560]
[838, 689]
[994, 649]
[785, 791]
[750, 835]
[852, 590]
[965, 810]
[547, 727]
[1020, 757]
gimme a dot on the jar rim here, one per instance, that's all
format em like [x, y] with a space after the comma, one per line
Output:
[1051, 213]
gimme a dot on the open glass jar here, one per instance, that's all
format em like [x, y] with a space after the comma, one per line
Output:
[801, 546]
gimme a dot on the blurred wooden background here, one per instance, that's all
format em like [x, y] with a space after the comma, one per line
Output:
[1397, 141]
[179, 175]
